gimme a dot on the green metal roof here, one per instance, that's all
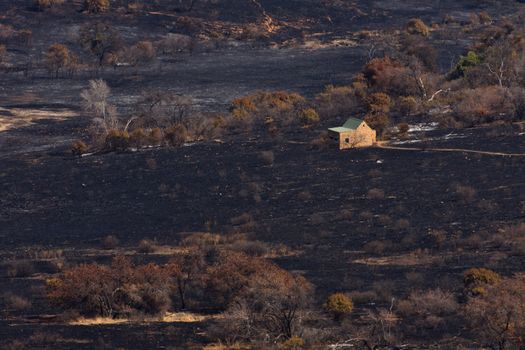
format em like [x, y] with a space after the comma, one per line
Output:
[340, 129]
[349, 125]
[352, 123]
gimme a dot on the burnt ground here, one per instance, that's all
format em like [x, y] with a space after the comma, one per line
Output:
[298, 200]
[315, 202]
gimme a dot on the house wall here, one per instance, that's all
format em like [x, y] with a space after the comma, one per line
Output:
[362, 137]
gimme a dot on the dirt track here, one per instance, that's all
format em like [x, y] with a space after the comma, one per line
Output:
[461, 150]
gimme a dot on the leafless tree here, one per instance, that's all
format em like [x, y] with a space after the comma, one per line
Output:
[95, 101]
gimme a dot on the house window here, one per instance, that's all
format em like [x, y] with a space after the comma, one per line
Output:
[347, 140]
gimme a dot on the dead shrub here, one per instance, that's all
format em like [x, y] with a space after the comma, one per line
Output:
[201, 239]
[250, 248]
[322, 142]
[316, 219]
[377, 247]
[110, 242]
[366, 215]
[376, 193]
[415, 279]
[147, 246]
[465, 193]
[345, 215]
[304, 196]
[267, 157]
[244, 222]
[482, 105]
[402, 224]
[337, 101]
[417, 26]
[79, 148]
[176, 135]
[427, 310]
[19, 269]
[363, 297]
[16, 302]
[117, 140]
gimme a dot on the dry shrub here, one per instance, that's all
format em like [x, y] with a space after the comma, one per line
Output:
[309, 117]
[147, 246]
[407, 105]
[476, 280]
[16, 302]
[438, 237]
[496, 316]
[117, 290]
[141, 53]
[345, 215]
[375, 173]
[267, 157]
[377, 247]
[390, 76]
[337, 101]
[138, 138]
[403, 128]
[176, 43]
[376, 193]
[269, 110]
[322, 142]
[415, 279]
[339, 305]
[366, 215]
[402, 224]
[384, 220]
[21, 268]
[79, 148]
[110, 242]
[176, 135]
[117, 140]
[482, 105]
[316, 219]
[201, 239]
[465, 193]
[96, 6]
[244, 222]
[250, 248]
[417, 26]
[427, 310]
[363, 297]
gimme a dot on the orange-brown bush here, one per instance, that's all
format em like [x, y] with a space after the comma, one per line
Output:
[482, 105]
[387, 75]
[272, 302]
[426, 311]
[271, 110]
[497, 316]
[115, 290]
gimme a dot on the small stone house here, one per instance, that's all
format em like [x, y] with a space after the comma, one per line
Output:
[354, 133]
